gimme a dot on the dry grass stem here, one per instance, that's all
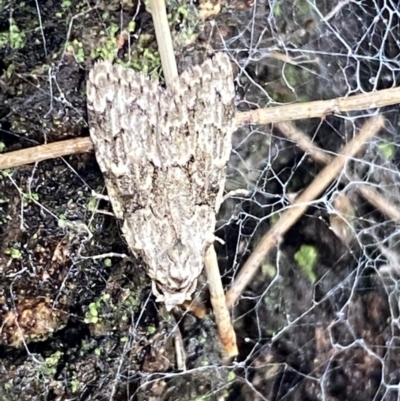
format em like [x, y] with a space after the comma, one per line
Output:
[304, 142]
[368, 193]
[379, 202]
[45, 152]
[179, 348]
[274, 235]
[221, 312]
[319, 108]
[269, 115]
[164, 40]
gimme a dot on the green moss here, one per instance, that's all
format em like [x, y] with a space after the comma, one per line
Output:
[107, 50]
[132, 299]
[66, 4]
[288, 83]
[388, 150]
[8, 385]
[303, 6]
[183, 17]
[106, 297]
[74, 385]
[10, 71]
[131, 26]
[268, 270]
[76, 48]
[306, 257]
[277, 10]
[49, 368]
[231, 376]
[92, 204]
[30, 197]
[14, 253]
[145, 57]
[14, 37]
[92, 315]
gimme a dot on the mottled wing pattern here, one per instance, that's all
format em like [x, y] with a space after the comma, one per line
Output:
[163, 153]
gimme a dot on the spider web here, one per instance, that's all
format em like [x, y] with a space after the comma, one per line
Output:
[330, 332]
[320, 321]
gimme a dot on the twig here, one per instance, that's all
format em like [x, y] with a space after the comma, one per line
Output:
[179, 347]
[317, 154]
[217, 297]
[164, 40]
[319, 108]
[385, 97]
[274, 235]
[221, 312]
[45, 152]
[304, 142]
[380, 202]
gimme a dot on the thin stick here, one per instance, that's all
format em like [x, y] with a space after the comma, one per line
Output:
[319, 108]
[304, 142]
[179, 347]
[221, 312]
[45, 152]
[317, 154]
[164, 40]
[365, 101]
[380, 202]
[274, 235]
[217, 297]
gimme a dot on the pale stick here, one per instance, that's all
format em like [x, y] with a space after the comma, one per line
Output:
[45, 152]
[164, 40]
[318, 109]
[217, 298]
[274, 235]
[368, 193]
[221, 312]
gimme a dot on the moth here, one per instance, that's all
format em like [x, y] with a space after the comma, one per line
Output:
[163, 153]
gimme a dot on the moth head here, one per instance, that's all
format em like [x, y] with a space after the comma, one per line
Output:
[175, 279]
[172, 299]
